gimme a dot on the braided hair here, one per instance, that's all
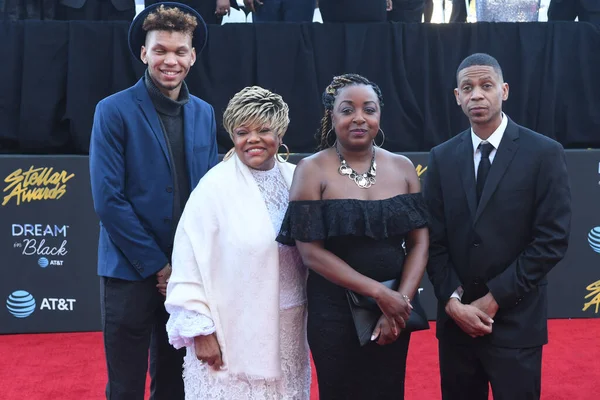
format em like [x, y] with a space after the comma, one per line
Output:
[329, 96]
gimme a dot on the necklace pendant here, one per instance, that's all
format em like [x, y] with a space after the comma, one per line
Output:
[344, 170]
[362, 182]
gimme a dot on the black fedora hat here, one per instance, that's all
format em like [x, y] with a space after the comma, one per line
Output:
[137, 35]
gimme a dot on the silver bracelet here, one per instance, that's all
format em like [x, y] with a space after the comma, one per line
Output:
[405, 297]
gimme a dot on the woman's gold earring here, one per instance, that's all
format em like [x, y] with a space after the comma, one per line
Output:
[287, 155]
[229, 154]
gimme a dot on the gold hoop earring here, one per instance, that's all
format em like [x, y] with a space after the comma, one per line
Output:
[287, 155]
[327, 137]
[229, 154]
[382, 141]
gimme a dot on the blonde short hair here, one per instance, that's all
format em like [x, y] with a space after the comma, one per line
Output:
[255, 106]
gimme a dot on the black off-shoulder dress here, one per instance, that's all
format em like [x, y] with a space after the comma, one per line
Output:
[369, 236]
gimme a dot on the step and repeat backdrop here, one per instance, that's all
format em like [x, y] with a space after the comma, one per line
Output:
[49, 232]
[48, 245]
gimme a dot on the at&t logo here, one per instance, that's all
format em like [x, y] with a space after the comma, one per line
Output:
[57, 304]
[44, 262]
[594, 239]
[20, 304]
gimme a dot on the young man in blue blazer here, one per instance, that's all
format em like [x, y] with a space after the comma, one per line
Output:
[150, 146]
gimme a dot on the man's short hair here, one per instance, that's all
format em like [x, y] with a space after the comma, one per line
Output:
[480, 59]
[170, 19]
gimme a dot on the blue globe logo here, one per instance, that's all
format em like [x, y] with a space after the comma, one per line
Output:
[20, 304]
[43, 262]
[594, 239]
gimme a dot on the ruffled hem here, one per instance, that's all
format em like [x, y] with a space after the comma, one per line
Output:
[308, 221]
[184, 325]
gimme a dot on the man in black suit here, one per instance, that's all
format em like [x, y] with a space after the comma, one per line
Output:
[500, 207]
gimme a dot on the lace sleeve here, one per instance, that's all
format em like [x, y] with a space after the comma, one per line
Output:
[184, 325]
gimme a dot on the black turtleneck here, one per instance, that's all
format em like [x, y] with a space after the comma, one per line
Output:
[170, 113]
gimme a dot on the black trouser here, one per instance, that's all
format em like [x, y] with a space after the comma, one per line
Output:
[428, 10]
[467, 370]
[459, 11]
[406, 11]
[353, 10]
[133, 322]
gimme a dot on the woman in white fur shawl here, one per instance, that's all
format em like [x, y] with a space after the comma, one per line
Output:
[236, 297]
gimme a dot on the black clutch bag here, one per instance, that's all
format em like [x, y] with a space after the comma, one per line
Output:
[366, 313]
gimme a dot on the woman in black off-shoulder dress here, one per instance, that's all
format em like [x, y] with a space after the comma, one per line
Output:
[355, 229]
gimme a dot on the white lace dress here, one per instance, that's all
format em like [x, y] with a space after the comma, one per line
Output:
[295, 363]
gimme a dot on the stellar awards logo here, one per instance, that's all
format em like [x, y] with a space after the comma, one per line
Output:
[35, 184]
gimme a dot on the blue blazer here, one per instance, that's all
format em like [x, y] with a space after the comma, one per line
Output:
[132, 184]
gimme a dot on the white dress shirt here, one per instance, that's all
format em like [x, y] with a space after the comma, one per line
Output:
[494, 139]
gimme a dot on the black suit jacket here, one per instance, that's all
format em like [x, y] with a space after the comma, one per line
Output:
[506, 244]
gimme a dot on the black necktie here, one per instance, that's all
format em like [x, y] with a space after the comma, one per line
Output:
[484, 167]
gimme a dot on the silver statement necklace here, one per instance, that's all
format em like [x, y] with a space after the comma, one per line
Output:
[363, 181]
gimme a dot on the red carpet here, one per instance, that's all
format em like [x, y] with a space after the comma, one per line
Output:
[71, 366]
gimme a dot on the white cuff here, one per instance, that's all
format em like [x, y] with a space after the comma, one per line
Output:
[457, 293]
[184, 325]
